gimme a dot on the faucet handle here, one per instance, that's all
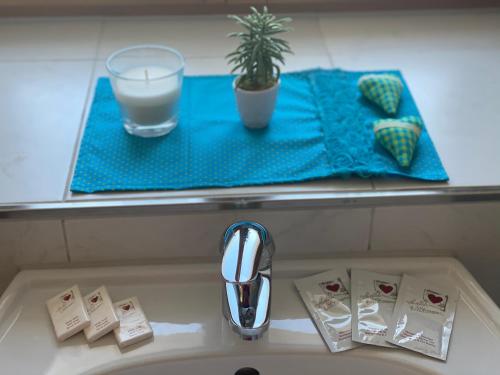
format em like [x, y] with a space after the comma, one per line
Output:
[242, 247]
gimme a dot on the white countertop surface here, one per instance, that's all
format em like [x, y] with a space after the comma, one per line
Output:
[48, 68]
[183, 304]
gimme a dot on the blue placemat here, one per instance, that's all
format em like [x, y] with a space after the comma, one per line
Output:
[321, 127]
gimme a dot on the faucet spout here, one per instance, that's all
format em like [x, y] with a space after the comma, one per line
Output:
[247, 250]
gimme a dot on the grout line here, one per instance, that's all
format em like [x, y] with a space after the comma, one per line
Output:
[85, 112]
[370, 230]
[66, 242]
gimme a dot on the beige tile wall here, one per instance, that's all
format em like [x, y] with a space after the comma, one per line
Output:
[458, 227]
[470, 232]
[296, 233]
[28, 244]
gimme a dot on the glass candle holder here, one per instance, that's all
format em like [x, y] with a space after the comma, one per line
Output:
[147, 83]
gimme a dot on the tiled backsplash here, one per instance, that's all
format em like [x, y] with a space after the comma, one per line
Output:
[467, 231]
[296, 233]
[29, 242]
[457, 227]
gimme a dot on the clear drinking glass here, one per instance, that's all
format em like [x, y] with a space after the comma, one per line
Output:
[147, 82]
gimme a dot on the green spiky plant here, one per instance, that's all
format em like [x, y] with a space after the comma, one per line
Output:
[257, 56]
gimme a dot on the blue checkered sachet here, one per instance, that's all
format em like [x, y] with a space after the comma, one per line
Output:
[399, 137]
[382, 89]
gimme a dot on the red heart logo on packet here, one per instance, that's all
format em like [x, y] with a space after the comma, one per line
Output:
[126, 307]
[95, 299]
[434, 299]
[333, 287]
[386, 288]
[67, 297]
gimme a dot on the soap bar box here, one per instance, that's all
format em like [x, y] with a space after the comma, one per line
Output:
[102, 314]
[68, 313]
[134, 326]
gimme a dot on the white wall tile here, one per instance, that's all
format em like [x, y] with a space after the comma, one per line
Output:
[192, 36]
[315, 232]
[457, 227]
[41, 105]
[296, 233]
[410, 31]
[28, 243]
[199, 36]
[48, 39]
[306, 38]
[143, 238]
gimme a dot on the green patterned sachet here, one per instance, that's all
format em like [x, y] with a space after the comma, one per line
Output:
[399, 137]
[382, 89]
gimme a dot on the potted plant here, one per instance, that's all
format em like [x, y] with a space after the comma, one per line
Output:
[256, 59]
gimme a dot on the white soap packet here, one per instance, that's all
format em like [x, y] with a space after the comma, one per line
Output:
[68, 313]
[423, 317]
[373, 296]
[102, 314]
[326, 296]
[134, 326]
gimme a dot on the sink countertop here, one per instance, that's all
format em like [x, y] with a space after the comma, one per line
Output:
[183, 304]
[449, 59]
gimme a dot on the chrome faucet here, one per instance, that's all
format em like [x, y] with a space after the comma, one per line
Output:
[247, 249]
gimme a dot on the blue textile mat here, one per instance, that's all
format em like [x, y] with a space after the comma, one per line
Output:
[322, 127]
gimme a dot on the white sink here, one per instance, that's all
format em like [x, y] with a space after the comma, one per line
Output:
[279, 364]
[183, 303]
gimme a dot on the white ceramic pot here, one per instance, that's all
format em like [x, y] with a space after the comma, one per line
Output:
[256, 107]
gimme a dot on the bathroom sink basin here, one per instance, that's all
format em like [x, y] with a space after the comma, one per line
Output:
[281, 364]
[183, 304]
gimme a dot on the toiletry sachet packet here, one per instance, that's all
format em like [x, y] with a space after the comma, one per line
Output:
[373, 296]
[423, 317]
[328, 301]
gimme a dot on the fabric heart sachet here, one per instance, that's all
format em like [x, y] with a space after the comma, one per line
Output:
[384, 90]
[398, 136]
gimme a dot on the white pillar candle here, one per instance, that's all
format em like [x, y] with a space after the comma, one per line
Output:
[147, 95]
